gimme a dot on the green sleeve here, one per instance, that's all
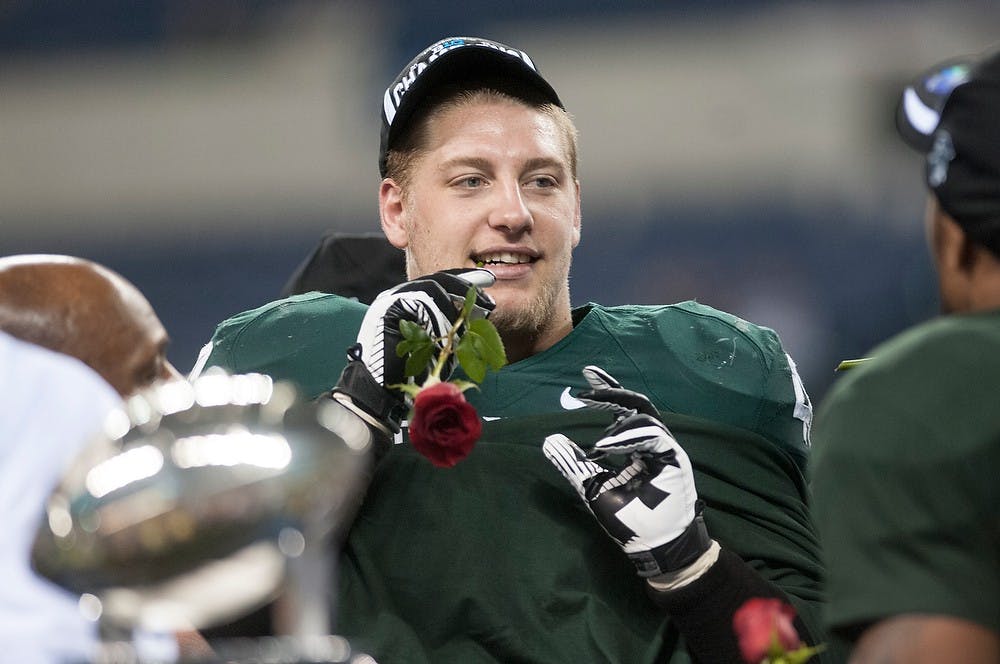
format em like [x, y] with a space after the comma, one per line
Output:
[303, 339]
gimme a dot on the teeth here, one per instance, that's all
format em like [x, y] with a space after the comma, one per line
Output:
[503, 257]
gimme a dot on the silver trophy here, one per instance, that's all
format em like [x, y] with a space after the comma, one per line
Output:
[204, 501]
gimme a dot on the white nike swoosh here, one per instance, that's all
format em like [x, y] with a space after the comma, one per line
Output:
[569, 402]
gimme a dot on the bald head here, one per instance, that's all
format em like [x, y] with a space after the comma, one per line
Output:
[83, 309]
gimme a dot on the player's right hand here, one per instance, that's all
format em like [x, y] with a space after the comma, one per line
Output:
[433, 302]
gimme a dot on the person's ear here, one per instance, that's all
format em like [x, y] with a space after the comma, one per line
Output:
[392, 213]
[943, 237]
[956, 252]
[955, 257]
[969, 255]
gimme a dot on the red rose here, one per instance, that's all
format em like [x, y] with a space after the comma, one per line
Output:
[444, 426]
[762, 625]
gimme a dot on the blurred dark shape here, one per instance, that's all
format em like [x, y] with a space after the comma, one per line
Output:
[357, 265]
[189, 508]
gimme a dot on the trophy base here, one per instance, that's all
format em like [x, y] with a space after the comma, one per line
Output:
[329, 649]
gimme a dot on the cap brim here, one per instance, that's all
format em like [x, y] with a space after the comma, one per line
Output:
[918, 111]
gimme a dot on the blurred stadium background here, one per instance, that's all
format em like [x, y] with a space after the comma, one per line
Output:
[740, 153]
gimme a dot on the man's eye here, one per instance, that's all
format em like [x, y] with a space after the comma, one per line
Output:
[471, 182]
[542, 182]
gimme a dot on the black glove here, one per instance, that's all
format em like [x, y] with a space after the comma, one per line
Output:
[433, 302]
[650, 507]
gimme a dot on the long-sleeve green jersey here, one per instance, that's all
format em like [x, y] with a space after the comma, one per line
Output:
[497, 559]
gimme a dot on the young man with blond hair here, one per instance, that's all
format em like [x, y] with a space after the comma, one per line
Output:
[497, 559]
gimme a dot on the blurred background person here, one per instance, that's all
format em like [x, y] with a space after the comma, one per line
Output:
[907, 445]
[51, 405]
[108, 343]
[77, 307]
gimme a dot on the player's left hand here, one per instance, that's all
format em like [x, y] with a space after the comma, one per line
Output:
[651, 506]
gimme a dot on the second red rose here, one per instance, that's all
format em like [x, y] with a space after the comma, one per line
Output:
[762, 625]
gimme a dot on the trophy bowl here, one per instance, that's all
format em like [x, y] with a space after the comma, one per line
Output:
[185, 511]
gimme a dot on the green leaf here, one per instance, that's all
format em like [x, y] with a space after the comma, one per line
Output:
[850, 364]
[412, 331]
[415, 338]
[418, 360]
[470, 301]
[471, 361]
[407, 346]
[478, 344]
[492, 349]
[403, 347]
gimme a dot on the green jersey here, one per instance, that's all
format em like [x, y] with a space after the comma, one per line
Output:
[497, 559]
[907, 499]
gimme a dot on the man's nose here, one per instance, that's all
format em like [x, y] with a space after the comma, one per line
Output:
[511, 213]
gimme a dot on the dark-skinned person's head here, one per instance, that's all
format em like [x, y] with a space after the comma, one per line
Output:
[950, 114]
[82, 309]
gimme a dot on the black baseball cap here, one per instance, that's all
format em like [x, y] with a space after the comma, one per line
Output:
[951, 114]
[454, 61]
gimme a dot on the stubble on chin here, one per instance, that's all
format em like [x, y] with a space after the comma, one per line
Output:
[528, 318]
[519, 321]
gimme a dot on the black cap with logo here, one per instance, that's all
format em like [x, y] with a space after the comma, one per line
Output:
[451, 61]
[951, 114]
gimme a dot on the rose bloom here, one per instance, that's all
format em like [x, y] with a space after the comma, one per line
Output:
[758, 622]
[444, 426]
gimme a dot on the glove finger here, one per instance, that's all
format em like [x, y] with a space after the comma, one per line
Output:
[570, 461]
[616, 409]
[434, 293]
[606, 393]
[476, 276]
[638, 434]
[619, 401]
[601, 382]
[599, 379]
[456, 282]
